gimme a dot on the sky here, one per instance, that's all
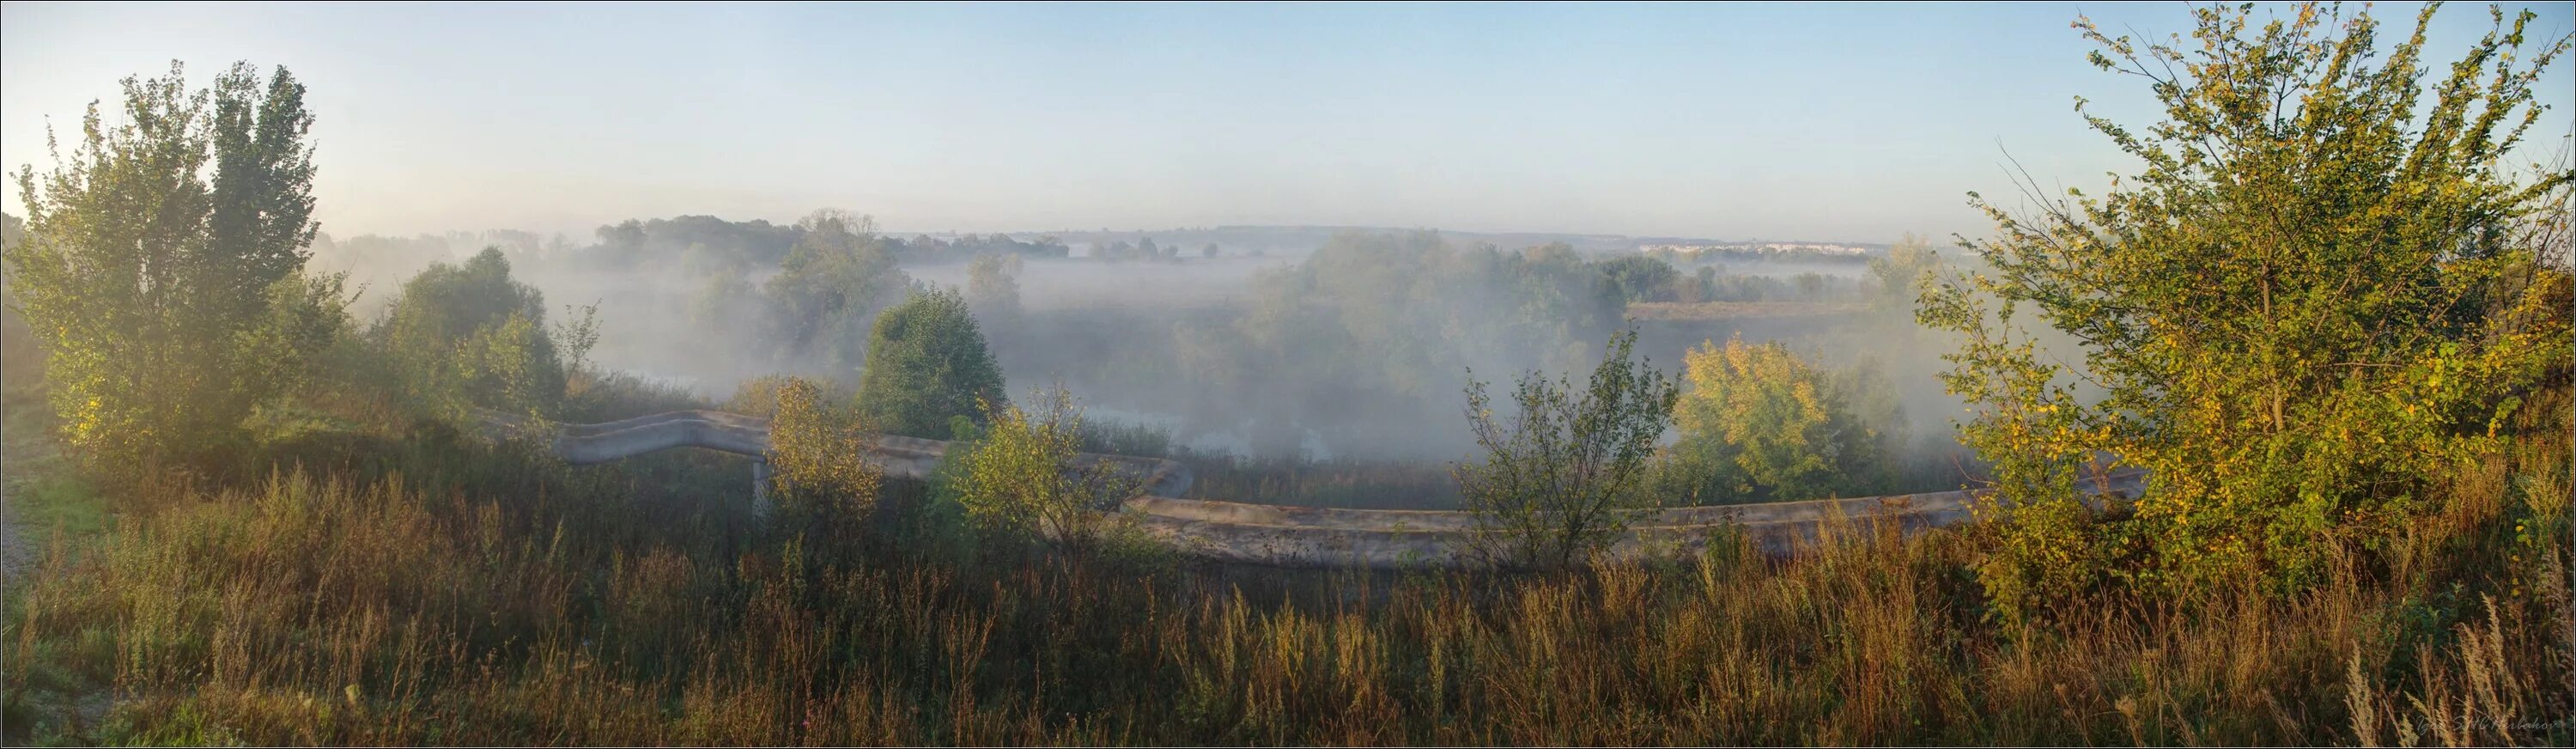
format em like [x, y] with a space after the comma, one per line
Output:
[1850, 122]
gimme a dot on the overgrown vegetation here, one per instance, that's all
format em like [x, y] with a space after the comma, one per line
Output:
[1758, 424]
[2339, 337]
[161, 268]
[468, 337]
[2322, 298]
[815, 456]
[1021, 480]
[1560, 481]
[488, 598]
[927, 364]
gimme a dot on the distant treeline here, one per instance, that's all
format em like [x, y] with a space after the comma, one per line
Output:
[705, 240]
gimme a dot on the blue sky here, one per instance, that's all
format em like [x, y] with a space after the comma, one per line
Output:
[1851, 122]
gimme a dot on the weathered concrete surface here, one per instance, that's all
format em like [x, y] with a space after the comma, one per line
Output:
[1310, 536]
[713, 430]
[901, 457]
[1385, 539]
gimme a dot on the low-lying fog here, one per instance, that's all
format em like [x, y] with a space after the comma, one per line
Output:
[1357, 347]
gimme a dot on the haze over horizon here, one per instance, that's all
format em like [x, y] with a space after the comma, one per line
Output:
[1829, 122]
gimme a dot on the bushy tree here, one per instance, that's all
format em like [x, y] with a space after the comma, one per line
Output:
[1810, 285]
[1022, 478]
[467, 336]
[927, 362]
[628, 234]
[162, 265]
[993, 290]
[834, 279]
[819, 472]
[2309, 306]
[1757, 424]
[1641, 278]
[1560, 483]
[1902, 272]
[725, 301]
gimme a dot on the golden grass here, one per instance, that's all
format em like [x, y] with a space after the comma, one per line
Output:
[428, 590]
[333, 610]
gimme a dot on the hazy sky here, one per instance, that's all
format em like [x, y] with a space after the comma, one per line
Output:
[1846, 122]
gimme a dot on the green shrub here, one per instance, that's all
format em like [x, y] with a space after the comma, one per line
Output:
[466, 337]
[1022, 478]
[1561, 482]
[927, 362]
[2323, 293]
[818, 457]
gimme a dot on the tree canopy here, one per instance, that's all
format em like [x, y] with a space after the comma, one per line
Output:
[926, 363]
[2313, 299]
[837, 275]
[162, 264]
[467, 336]
[1560, 479]
[1759, 424]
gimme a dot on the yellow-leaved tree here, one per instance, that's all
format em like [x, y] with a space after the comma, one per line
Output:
[818, 456]
[1757, 424]
[1025, 478]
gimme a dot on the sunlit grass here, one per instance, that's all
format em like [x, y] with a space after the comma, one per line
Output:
[469, 595]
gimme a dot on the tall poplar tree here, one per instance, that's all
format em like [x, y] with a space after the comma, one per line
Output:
[162, 267]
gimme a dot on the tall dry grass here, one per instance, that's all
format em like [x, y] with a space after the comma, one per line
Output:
[437, 591]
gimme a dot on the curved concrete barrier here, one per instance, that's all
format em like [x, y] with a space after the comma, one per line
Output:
[1287, 536]
[1391, 539]
[896, 456]
[600, 443]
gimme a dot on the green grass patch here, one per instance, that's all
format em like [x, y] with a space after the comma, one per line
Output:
[45, 488]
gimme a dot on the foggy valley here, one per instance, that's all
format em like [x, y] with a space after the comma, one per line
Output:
[1476, 374]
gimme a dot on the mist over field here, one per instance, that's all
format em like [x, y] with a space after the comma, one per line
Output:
[1352, 346]
[1284, 375]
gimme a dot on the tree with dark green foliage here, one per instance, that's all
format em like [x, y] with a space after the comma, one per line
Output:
[2311, 306]
[927, 362]
[162, 266]
[1641, 278]
[697, 244]
[1560, 483]
[466, 336]
[626, 234]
